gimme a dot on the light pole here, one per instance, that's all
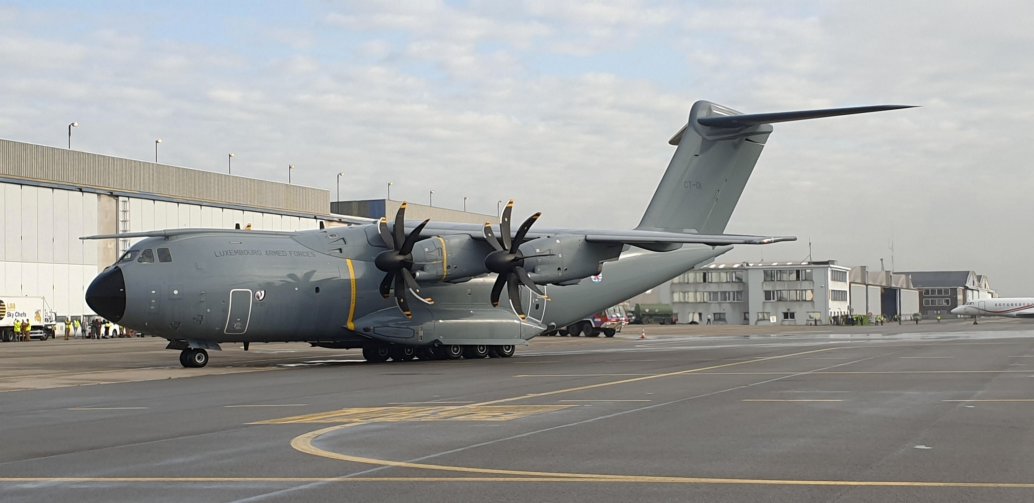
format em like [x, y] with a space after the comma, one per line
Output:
[229, 164]
[464, 203]
[339, 186]
[389, 191]
[497, 210]
[156, 142]
[290, 168]
[430, 198]
[70, 126]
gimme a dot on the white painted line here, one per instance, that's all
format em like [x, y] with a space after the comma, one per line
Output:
[1004, 400]
[789, 400]
[266, 405]
[926, 357]
[108, 408]
[443, 402]
[606, 400]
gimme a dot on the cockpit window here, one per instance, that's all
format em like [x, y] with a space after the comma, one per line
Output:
[129, 256]
[146, 257]
[164, 255]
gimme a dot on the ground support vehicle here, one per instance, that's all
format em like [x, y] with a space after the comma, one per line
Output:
[14, 309]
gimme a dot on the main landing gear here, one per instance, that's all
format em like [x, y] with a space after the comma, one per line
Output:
[194, 358]
[403, 353]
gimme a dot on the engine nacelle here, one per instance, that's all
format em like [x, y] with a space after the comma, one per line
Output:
[453, 259]
[568, 258]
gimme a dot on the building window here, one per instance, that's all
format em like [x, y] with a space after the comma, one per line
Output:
[789, 316]
[789, 295]
[719, 317]
[838, 275]
[788, 275]
[764, 316]
[838, 295]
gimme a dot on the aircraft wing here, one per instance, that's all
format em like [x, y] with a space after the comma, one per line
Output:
[651, 240]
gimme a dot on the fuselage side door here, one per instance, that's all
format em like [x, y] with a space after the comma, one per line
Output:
[239, 312]
[536, 304]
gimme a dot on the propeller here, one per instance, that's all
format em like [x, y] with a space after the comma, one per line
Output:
[508, 262]
[397, 260]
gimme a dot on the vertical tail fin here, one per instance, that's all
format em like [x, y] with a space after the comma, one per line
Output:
[716, 154]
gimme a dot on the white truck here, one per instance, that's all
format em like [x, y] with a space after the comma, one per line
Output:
[35, 309]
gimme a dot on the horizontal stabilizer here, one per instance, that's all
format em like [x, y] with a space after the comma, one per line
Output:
[733, 121]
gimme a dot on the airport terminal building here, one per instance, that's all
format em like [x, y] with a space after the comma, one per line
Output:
[50, 197]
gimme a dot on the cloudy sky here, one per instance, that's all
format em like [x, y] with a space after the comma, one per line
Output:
[567, 108]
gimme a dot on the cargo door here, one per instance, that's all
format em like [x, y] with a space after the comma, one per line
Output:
[239, 312]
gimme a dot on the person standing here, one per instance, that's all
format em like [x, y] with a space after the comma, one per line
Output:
[17, 330]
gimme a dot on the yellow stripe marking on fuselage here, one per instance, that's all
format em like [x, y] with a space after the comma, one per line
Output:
[351, 306]
[445, 260]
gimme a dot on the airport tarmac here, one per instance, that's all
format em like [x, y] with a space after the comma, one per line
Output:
[935, 412]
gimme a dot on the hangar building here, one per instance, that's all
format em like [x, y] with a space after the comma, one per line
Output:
[50, 197]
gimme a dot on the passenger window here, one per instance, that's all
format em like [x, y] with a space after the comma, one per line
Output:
[164, 255]
[146, 257]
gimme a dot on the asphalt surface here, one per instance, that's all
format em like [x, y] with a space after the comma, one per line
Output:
[935, 412]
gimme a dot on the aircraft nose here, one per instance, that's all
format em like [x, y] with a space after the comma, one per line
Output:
[957, 310]
[107, 294]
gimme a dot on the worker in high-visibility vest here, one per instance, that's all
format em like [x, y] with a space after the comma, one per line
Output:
[27, 330]
[17, 330]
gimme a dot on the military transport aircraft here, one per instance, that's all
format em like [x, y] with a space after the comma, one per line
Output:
[430, 290]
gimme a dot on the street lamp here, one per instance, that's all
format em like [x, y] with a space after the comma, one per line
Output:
[464, 203]
[290, 168]
[339, 186]
[389, 191]
[70, 126]
[430, 198]
[229, 167]
[156, 142]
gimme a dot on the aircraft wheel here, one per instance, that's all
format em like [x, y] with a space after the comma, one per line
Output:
[609, 332]
[452, 351]
[477, 351]
[563, 332]
[376, 354]
[506, 351]
[194, 358]
[403, 353]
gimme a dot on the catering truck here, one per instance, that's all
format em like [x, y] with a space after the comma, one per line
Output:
[35, 309]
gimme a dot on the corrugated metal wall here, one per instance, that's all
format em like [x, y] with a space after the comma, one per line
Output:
[82, 169]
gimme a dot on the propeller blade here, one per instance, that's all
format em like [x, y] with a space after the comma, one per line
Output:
[382, 228]
[490, 237]
[400, 225]
[386, 284]
[413, 285]
[400, 296]
[407, 246]
[523, 229]
[526, 280]
[514, 291]
[497, 289]
[504, 225]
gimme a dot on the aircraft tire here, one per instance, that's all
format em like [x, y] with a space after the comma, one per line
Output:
[475, 352]
[376, 354]
[403, 353]
[452, 351]
[506, 351]
[194, 358]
